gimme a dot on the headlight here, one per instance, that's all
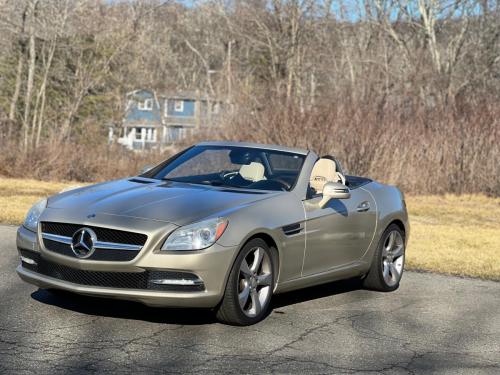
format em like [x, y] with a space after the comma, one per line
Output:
[196, 236]
[31, 221]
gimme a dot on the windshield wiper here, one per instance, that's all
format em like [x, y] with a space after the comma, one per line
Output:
[173, 180]
[206, 182]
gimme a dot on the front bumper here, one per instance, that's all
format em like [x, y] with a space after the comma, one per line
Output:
[211, 266]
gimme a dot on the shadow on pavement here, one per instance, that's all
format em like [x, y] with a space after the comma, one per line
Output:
[315, 292]
[122, 309]
[135, 311]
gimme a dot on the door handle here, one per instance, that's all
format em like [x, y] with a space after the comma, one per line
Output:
[363, 206]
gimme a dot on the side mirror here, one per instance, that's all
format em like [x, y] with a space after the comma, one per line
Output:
[334, 190]
[146, 168]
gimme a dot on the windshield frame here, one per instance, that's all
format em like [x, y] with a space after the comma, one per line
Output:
[153, 172]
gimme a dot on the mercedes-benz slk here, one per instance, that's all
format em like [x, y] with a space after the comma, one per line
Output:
[221, 225]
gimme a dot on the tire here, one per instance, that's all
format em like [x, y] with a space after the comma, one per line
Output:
[388, 261]
[252, 284]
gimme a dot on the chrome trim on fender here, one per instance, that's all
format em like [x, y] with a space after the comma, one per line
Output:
[98, 244]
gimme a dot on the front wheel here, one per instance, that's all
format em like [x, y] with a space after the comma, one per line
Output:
[388, 261]
[250, 286]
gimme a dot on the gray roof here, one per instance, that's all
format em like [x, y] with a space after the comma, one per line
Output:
[256, 145]
[179, 94]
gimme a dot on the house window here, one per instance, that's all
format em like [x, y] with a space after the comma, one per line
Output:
[146, 105]
[176, 133]
[138, 133]
[179, 105]
[151, 135]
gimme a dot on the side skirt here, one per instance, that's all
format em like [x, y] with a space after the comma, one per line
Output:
[338, 273]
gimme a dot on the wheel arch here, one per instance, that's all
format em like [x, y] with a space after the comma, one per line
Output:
[402, 224]
[273, 245]
[399, 223]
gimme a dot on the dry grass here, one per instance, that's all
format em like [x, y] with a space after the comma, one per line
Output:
[452, 234]
[17, 196]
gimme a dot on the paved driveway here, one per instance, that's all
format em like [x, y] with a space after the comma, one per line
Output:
[432, 324]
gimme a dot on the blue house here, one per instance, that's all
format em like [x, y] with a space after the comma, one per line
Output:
[154, 120]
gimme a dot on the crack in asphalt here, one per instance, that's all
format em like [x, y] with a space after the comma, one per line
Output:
[432, 324]
[59, 349]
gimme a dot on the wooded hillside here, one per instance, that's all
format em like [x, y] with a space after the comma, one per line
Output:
[407, 92]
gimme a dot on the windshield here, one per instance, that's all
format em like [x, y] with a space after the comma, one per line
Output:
[234, 167]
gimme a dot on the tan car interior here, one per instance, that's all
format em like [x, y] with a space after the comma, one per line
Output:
[253, 172]
[324, 171]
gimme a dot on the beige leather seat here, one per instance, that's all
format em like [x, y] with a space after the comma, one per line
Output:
[324, 171]
[252, 172]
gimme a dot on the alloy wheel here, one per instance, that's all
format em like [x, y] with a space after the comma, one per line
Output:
[254, 282]
[393, 254]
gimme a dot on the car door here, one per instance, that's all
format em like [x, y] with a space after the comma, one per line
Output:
[339, 233]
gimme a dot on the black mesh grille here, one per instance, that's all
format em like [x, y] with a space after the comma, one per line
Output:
[127, 280]
[103, 234]
[99, 254]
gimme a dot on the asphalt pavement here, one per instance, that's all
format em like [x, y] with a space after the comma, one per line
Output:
[433, 324]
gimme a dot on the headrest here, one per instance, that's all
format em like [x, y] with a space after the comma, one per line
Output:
[323, 171]
[325, 168]
[252, 172]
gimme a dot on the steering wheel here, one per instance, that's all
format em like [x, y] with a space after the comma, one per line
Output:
[227, 175]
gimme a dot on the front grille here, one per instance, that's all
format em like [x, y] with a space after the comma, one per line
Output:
[99, 254]
[125, 280]
[103, 234]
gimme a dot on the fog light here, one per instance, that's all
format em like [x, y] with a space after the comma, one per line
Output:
[28, 261]
[177, 282]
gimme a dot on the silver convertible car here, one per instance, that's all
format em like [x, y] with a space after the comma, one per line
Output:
[222, 225]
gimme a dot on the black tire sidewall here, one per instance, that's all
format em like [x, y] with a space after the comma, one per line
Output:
[378, 258]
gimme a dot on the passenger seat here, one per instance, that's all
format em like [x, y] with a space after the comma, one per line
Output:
[323, 171]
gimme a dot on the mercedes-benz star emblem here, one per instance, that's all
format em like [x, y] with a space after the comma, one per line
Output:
[83, 242]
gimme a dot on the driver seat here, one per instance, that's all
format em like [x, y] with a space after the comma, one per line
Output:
[252, 172]
[323, 171]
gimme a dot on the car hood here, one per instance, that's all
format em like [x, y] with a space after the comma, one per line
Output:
[176, 203]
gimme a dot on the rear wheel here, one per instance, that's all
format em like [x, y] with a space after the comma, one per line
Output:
[250, 286]
[388, 261]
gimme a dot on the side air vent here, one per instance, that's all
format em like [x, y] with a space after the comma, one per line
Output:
[139, 181]
[292, 229]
